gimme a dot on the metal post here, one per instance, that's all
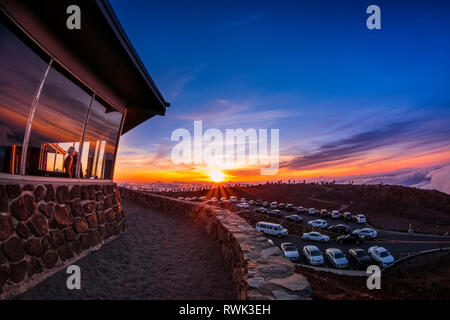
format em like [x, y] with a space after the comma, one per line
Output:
[30, 119]
[80, 152]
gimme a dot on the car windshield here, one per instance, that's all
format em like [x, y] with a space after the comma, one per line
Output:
[384, 254]
[360, 253]
[339, 255]
[279, 228]
[315, 253]
[291, 248]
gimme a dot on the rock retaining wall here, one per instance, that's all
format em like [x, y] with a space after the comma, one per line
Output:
[259, 271]
[44, 228]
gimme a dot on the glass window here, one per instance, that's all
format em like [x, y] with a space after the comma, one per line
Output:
[102, 132]
[21, 71]
[57, 126]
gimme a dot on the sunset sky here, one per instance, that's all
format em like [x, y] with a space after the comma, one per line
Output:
[347, 100]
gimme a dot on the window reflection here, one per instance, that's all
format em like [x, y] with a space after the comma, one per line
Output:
[57, 126]
[21, 71]
[99, 147]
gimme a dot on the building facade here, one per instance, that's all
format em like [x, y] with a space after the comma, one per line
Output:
[66, 97]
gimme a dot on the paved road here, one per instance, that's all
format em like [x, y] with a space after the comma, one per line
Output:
[160, 256]
[399, 244]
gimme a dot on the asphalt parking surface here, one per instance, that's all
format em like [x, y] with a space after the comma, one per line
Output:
[397, 243]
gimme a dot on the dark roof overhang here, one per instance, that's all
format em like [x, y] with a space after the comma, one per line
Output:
[101, 46]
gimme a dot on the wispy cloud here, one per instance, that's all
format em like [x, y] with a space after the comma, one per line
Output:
[417, 135]
[223, 113]
[243, 21]
[178, 79]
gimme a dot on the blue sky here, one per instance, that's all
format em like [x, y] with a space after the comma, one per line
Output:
[336, 90]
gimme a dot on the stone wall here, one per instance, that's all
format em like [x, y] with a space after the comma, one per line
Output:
[259, 271]
[44, 228]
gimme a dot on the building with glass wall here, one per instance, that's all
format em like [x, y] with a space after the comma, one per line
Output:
[66, 96]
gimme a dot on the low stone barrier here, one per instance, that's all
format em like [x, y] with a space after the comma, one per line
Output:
[44, 228]
[259, 270]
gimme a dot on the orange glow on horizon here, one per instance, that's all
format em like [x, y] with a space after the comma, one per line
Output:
[371, 164]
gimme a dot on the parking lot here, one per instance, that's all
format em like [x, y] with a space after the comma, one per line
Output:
[397, 243]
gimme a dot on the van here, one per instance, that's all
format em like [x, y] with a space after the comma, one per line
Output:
[272, 229]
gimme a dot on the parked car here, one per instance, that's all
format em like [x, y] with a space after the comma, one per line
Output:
[261, 210]
[340, 229]
[270, 242]
[258, 202]
[251, 202]
[243, 205]
[223, 198]
[380, 256]
[194, 199]
[281, 205]
[366, 233]
[273, 205]
[312, 211]
[318, 223]
[324, 213]
[335, 214]
[202, 198]
[337, 258]
[290, 251]
[233, 199]
[265, 204]
[294, 218]
[349, 238]
[289, 207]
[272, 229]
[313, 255]
[180, 198]
[243, 200]
[360, 218]
[213, 199]
[347, 216]
[302, 210]
[275, 213]
[315, 236]
[360, 257]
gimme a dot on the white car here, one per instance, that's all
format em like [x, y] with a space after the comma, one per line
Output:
[335, 214]
[274, 205]
[380, 256]
[187, 199]
[289, 207]
[365, 233]
[213, 199]
[251, 202]
[313, 255]
[360, 218]
[301, 209]
[202, 198]
[290, 251]
[233, 199]
[223, 198]
[265, 204]
[336, 258]
[261, 210]
[315, 236]
[319, 223]
[272, 229]
[243, 205]
[312, 211]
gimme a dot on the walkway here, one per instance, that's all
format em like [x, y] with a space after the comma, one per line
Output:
[160, 256]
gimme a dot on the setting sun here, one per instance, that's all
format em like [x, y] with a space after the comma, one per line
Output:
[217, 176]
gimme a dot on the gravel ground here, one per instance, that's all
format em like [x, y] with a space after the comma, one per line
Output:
[160, 256]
